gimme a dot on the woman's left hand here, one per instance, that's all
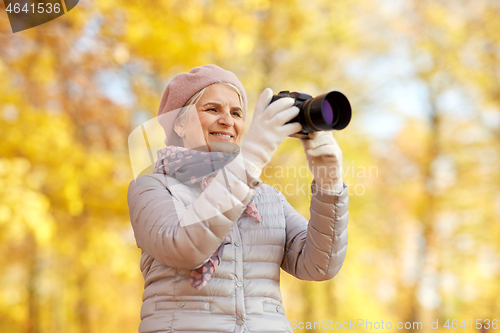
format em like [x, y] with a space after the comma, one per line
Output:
[325, 160]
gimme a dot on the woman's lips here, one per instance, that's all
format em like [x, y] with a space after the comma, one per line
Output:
[225, 136]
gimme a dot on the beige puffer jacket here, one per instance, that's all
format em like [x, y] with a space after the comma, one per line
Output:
[243, 294]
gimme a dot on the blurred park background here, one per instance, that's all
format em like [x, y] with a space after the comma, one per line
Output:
[421, 155]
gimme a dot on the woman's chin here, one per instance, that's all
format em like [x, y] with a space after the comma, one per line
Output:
[223, 147]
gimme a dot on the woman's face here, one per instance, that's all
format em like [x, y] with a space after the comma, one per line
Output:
[218, 121]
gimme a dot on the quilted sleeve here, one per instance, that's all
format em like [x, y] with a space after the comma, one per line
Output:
[315, 251]
[185, 237]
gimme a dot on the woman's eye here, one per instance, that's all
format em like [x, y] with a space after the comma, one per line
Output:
[237, 114]
[212, 110]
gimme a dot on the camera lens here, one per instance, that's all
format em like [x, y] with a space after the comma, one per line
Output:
[327, 112]
[340, 113]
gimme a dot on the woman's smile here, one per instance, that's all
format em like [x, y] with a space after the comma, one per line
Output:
[221, 135]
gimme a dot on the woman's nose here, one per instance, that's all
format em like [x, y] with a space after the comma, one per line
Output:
[226, 119]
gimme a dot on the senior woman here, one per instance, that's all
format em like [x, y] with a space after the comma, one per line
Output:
[212, 236]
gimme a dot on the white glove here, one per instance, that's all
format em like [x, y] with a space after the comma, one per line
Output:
[268, 130]
[325, 160]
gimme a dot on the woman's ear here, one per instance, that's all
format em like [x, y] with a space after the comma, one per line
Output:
[179, 125]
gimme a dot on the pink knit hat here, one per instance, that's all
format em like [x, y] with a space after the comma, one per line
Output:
[185, 85]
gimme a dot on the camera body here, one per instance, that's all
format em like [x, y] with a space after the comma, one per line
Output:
[327, 112]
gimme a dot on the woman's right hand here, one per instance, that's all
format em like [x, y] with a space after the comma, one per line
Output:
[268, 130]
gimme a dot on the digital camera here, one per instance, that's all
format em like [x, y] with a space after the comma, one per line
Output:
[327, 112]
